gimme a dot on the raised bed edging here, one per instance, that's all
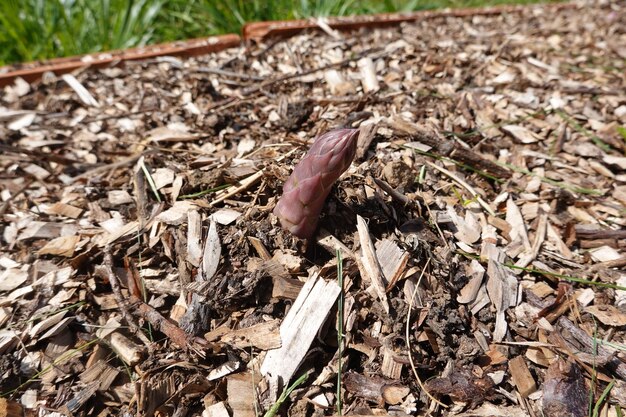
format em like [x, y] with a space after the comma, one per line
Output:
[255, 31]
[264, 30]
[33, 71]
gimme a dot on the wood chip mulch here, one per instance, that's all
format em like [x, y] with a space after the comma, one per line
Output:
[480, 234]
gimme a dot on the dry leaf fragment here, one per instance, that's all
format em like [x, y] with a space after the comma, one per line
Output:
[337, 83]
[516, 221]
[23, 121]
[167, 134]
[62, 209]
[619, 161]
[521, 134]
[225, 216]
[61, 246]
[607, 314]
[394, 394]
[502, 288]
[12, 278]
[475, 272]
[605, 254]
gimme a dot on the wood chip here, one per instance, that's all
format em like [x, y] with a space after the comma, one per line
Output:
[371, 267]
[298, 329]
[264, 336]
[241, 394]
[194, 237]
[80, 90]
[211, 253]
[61, 246]
[522, 378]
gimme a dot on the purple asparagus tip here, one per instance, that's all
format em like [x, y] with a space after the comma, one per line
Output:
[312, 178]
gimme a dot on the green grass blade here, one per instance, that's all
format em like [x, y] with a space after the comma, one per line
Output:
[204, 192]
[276, 406]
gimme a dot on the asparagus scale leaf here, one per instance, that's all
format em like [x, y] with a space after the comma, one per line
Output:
[312, 178]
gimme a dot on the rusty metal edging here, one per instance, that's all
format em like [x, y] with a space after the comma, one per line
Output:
[33, 71]
[255, 31]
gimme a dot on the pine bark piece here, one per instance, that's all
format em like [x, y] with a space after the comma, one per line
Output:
[564, 391]
[300, 326]
[312, 178]
[462, 386]
[366, 387]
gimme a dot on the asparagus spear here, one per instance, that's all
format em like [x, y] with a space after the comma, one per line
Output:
[310, 183]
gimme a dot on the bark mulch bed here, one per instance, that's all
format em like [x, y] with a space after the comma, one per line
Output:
[479, 234]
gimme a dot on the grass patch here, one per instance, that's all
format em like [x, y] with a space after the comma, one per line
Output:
[33, 30]
[39, 29]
